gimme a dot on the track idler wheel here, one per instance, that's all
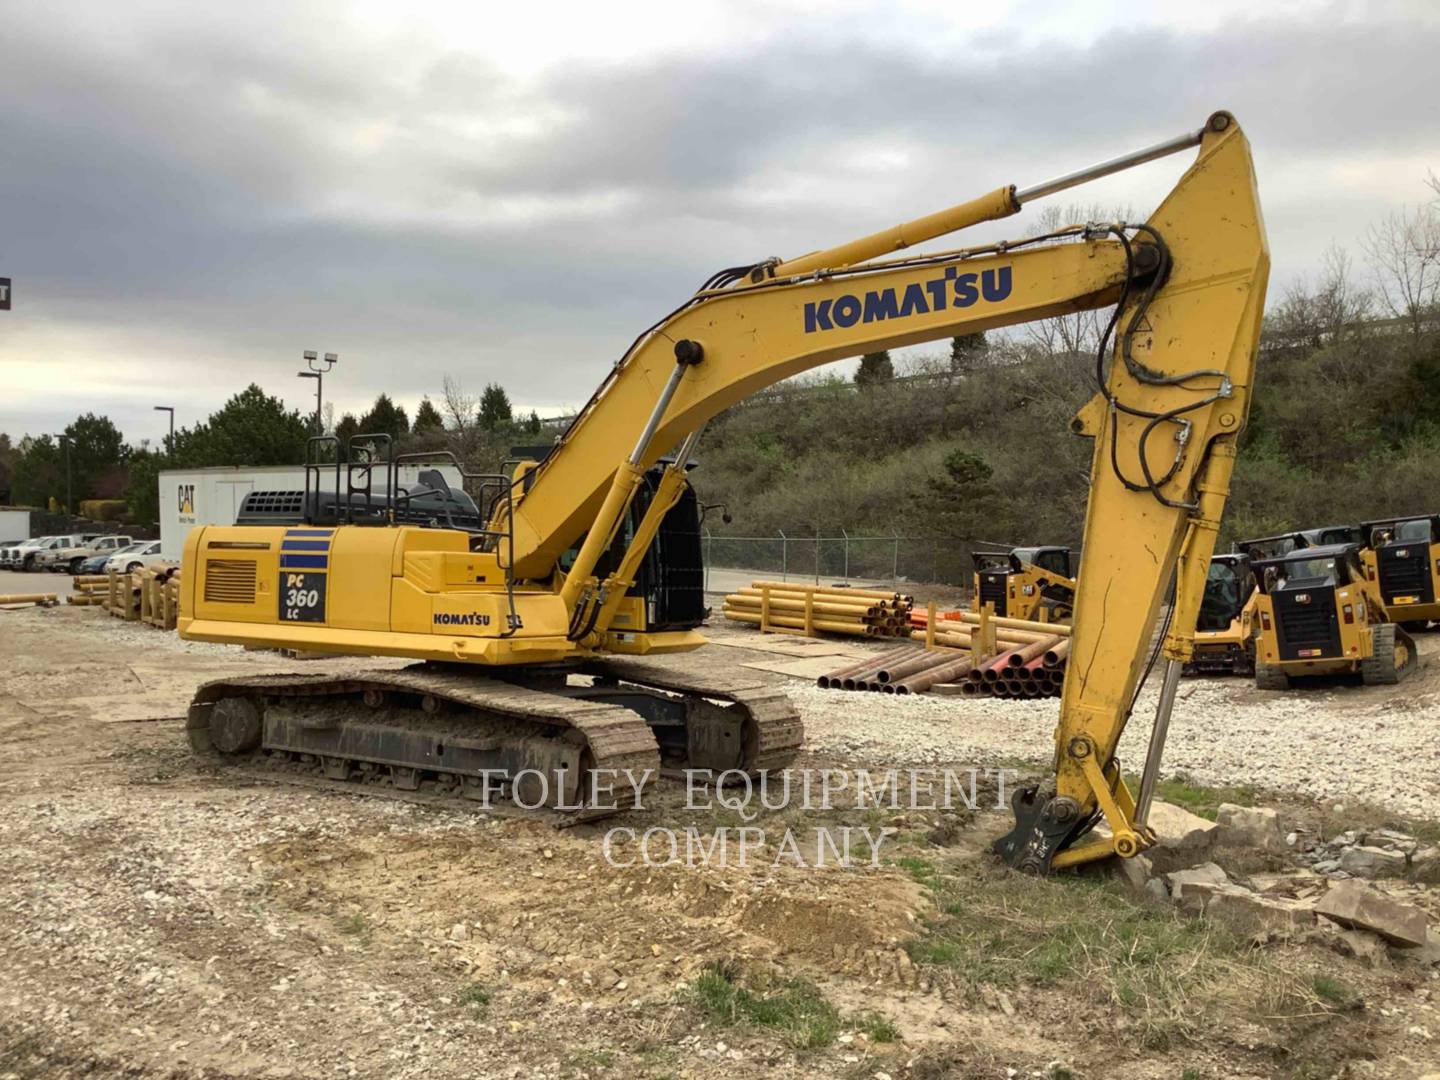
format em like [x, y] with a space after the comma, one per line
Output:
[236, 725]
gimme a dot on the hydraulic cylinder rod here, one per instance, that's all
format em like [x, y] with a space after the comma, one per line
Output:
[1000, 203]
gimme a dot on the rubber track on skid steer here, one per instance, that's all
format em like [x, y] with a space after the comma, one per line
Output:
[775, 725]
[616, 737]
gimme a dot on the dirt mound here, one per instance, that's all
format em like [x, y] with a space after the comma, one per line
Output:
[538, 908]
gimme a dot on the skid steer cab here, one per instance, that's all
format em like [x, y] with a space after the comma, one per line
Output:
[1320, 615]
[1035, 583]
[1225, 629]
[1403, 559]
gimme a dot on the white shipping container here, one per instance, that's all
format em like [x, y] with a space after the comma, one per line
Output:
[191, 497]
[14, 524]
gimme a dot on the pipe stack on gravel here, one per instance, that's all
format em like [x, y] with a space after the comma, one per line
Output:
[48, 599]
[910, 669]
[90, 589]
[957, 628]
[791, 607]
[1035, 670]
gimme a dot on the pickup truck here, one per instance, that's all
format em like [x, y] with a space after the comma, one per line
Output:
[70, 559]
[24, 556]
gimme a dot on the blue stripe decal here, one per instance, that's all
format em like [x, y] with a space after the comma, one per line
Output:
[304, 562]
[309, 532]
[305, 545]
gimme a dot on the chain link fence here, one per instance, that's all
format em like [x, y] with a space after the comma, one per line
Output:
[847, 558]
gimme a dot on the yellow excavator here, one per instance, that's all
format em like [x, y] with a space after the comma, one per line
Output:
[526, 602]
[1034, 583]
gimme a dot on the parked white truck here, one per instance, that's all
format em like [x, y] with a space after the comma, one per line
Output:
[69, 559]
[24, 557]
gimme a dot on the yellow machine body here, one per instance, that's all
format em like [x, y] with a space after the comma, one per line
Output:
[1025, 593]
[1319, 614]
[403, 591]
[1406, 573]
[1355, 637]
[1173, 400]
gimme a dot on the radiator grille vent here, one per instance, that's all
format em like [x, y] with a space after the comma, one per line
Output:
[229, 581]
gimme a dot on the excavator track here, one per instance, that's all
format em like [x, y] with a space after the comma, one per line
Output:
[567, 753]
[770, 729]
[450, 731]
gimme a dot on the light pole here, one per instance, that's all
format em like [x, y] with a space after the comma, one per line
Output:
[65, 442]
[169, 439]
[316, 372]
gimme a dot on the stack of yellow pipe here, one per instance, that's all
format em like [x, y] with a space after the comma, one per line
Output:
[92, 589]
[788, 607]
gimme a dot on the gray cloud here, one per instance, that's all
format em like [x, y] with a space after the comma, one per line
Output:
[191, 200]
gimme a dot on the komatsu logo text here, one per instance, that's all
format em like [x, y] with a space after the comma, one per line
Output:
[954, 290]
[469, 618]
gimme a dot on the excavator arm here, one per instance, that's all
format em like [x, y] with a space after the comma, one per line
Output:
[1174, 378]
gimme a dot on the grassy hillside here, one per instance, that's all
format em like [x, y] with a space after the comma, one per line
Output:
[1345, 426]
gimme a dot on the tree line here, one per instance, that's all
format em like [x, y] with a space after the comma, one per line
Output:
[253, 429]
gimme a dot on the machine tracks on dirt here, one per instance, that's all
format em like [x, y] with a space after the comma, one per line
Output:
[567, 750]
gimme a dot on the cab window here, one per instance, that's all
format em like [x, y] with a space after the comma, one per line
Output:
[1413, 531]
[1053, 561]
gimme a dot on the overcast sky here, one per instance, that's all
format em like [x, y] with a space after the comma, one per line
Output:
[193, 193]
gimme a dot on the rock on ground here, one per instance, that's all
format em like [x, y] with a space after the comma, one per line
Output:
[1355, 905]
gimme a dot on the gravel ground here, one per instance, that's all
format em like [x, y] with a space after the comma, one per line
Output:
[166, 917]
[1336, 741]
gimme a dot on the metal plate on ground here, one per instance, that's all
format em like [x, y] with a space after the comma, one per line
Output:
[810, 667]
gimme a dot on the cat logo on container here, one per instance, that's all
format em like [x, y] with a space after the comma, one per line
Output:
[1303, 598]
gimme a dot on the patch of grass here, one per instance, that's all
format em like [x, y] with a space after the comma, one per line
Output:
[922, 870]
[794, 1006]
[1334, 993]
[1001, 929]
[475, 995]
[357, 926]
[881, 1029]
[592, 1059]
[1200, 799]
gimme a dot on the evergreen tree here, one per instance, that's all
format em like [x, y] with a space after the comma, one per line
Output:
[875, 368]
[97, 449]
[347, 429]
[427, 418]
[967, 351]
[387, 418]
[495, 411]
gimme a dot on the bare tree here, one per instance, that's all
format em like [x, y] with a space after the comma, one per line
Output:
[1067, 335]
[459, 406]
[1334, 309]
[1404, 251]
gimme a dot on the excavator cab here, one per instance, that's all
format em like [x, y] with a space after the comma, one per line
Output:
[1320, 615]
[1224, 631]
[1403, 559]
[1035, 583]
[669, 589]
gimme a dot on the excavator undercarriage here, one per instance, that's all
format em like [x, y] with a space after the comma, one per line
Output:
[581, 741]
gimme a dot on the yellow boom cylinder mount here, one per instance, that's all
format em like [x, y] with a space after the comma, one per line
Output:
[1000, 203]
